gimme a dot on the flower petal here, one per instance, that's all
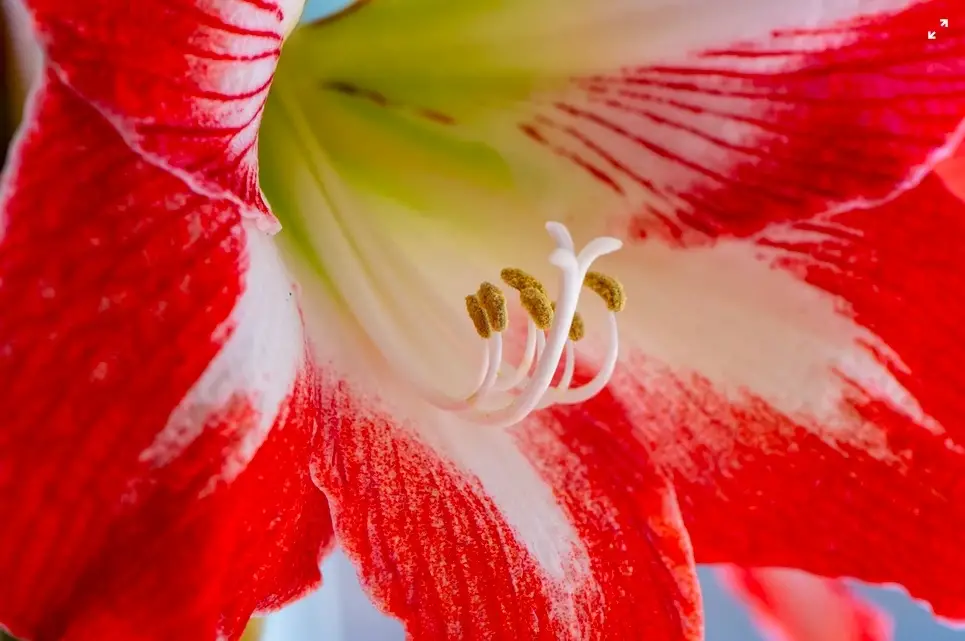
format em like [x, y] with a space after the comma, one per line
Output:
[952, 172]
[808, 403]
[184, 81]
[158, 404]
[759, 169]
[465, 532]
[675, 119]
[794, 606]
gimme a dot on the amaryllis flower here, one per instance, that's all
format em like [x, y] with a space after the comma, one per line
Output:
[734, 194]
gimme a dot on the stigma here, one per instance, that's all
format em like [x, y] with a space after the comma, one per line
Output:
[504, 393]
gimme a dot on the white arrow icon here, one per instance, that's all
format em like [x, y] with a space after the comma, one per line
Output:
[931, 35]
[943, 22]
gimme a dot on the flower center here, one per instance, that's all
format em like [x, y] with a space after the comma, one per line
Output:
[506, 394]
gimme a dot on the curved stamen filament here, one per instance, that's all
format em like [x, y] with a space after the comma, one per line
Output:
[529, 353]
[554, 395]
[568, 368]
[588, 390]
[552, 331]
[495, 359]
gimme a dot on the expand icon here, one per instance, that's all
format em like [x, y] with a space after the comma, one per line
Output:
[933, 35]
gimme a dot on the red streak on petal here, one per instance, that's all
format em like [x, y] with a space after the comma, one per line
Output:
[374, 97]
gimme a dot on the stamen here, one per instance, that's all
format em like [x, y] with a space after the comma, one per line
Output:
[596, 385]
[607, 288]
[489, 379]
[520, 280]
[478, 315]
[538, 306]
[552, 332]
[577, 328]
[494, 303]
[529, 352]
[568, 368]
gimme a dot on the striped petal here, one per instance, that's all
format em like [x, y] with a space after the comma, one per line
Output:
[461, 530]
[843, 460]
[790, 605]
[467, 533]
[677, 119]
[415, 148]
[184, 82]
[159, 397]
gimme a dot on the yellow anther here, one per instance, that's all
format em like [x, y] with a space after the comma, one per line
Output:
[494, 303]
[538, 306]
[577, 329]
[607, 288]
[478, 316]
[520, 280]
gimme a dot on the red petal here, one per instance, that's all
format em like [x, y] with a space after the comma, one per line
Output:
[146, 491]
[481, 554]
[790, 605]
[184, 80]
[879, 496]
[774, 130]
[952, 172]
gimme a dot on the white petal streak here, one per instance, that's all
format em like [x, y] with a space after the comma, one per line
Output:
[491, 457]
[724, 313]
[260, 361]
[508, 478]
[686, 26]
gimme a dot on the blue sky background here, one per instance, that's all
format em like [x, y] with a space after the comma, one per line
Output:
[341, 612]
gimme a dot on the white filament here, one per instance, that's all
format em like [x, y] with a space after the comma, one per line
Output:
[529, 353]
[595, 386]
[495, 360]
[495, 400]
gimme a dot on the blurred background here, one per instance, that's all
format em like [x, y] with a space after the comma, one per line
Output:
[340, 611]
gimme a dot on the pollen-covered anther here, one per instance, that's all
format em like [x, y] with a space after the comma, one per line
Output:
[538, 306]
[577, 329]
[607, 288]
[504, 395]
[478, 316]
[520, 280]
[494, 304]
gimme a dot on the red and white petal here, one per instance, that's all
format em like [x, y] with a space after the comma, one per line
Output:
[468, 532]
[185, 82]
[790, 605]
[670, 119]
[806, 394]
[777, 351]
[158, 403]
